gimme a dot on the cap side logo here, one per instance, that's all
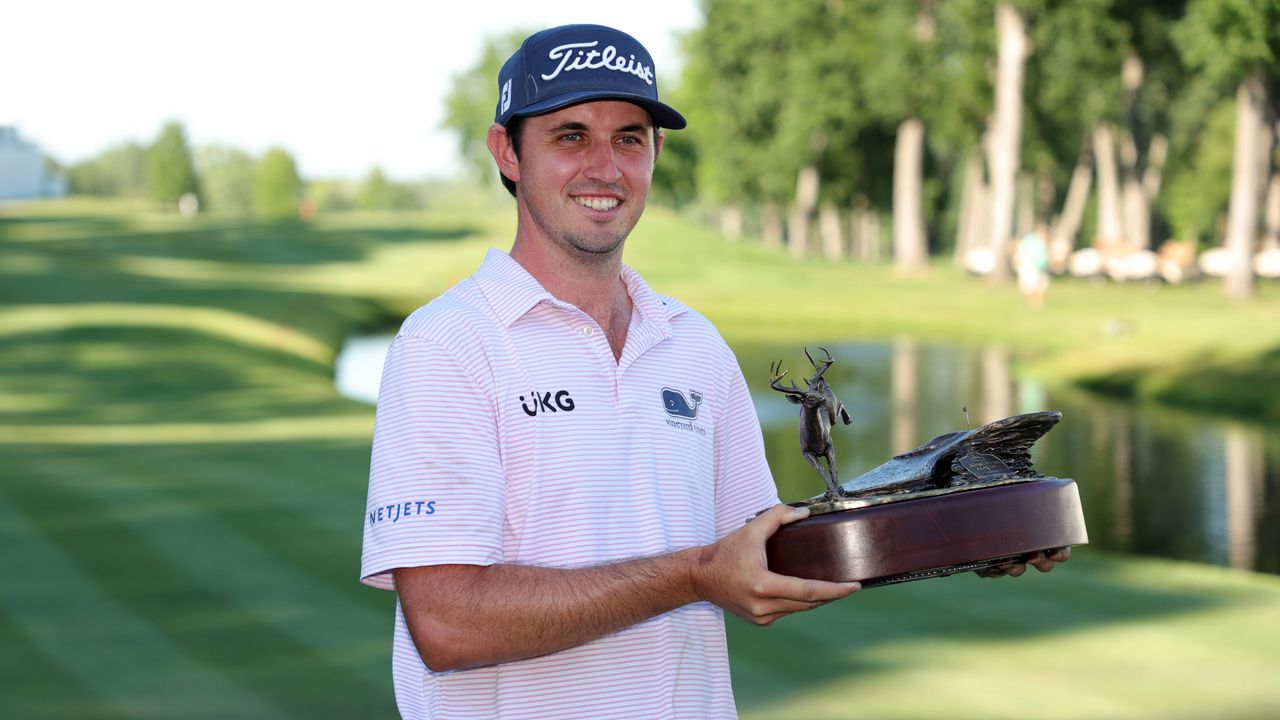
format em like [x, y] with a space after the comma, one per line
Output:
[506, 96]
[608, 59]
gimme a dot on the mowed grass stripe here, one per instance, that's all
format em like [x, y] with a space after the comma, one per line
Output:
[110, 647]
[1103, 638]
[293, 645]
[187, 530]
[274, 498]
[49, 690]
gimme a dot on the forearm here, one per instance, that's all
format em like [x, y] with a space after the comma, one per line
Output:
[465, 616]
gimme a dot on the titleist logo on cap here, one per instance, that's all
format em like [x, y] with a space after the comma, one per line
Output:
[607, 59]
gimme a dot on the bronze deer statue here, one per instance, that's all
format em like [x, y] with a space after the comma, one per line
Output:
[819, 409]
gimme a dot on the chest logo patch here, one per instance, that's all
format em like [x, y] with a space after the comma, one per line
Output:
[556, 401]
[677, 405]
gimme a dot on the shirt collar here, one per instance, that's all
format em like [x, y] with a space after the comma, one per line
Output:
[512, 292]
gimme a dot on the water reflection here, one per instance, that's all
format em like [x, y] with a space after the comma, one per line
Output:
[1153, 481]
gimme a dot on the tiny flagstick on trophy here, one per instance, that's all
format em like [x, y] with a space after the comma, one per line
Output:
[965, 500]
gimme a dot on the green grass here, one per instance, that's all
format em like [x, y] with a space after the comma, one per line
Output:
[181, 489]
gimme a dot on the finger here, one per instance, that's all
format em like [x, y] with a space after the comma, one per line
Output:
[1045, 560]
[778, 515]
[796, 513]
[1016, 569]
[794, 588]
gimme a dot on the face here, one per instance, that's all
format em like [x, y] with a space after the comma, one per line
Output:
[583, 174]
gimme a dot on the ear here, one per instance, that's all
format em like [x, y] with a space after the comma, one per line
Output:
[795, 399]
[504, 154]
[657, 148]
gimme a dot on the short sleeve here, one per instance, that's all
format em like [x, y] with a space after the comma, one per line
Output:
[436, 485]
[744, 482]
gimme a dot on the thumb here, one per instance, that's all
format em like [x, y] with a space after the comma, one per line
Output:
[779, 515]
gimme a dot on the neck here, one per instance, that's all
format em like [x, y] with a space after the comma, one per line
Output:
[591, 282]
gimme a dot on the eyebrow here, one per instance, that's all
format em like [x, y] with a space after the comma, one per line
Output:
[575, 126]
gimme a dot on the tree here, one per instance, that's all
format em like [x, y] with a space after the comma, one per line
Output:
[1005, 151]
[170, 173]
[472, 100]
[904, 82]
[775, 106]
[226, 178]
[379, 193]
[1198, 193]
[1238, 42]
[276, 186]
[118, 171]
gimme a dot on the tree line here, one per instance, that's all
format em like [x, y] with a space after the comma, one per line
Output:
[837, 127]
[230, 180]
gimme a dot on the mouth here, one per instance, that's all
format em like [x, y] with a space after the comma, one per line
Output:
[599, 203]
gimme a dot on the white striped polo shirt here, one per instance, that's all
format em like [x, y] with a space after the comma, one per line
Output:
[508, 433]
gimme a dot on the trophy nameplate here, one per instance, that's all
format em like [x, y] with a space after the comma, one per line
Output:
[966, 500]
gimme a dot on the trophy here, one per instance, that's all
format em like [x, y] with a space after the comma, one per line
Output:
[965, 500]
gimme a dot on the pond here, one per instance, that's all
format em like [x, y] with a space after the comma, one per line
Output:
[1153, 481]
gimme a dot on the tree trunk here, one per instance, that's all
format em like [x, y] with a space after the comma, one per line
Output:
[972, 209]
[1271, 237]
[1108, 234]
[867, 225]
[1153, 175]
[731, 222]
[1242, 214]
[802, 210]
[1134, 215]
[1268, 179]
[771, 225]
[831, 232]
[860, 240]
[1135, 212]
[910, 246]
[1011, 33]
[1068, 224]
[1024, 201]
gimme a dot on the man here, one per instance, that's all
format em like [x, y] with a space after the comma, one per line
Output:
[565, 461]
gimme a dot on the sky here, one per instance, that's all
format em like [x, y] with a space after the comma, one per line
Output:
[343, 86]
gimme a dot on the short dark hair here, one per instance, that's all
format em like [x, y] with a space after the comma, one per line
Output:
[515, 133]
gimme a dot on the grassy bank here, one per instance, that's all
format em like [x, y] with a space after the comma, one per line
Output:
[181, 495]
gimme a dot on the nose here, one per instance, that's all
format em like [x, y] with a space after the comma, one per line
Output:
[602, 165]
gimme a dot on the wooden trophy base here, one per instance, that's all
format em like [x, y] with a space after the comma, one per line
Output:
[931, 534]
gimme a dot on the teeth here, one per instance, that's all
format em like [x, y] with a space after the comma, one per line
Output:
[597, 203]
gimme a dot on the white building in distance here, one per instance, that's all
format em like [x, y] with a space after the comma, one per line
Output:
[23, 174]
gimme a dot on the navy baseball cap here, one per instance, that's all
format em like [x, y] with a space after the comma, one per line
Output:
[570, 64]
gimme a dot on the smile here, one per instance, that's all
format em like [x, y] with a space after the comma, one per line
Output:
[597, 203]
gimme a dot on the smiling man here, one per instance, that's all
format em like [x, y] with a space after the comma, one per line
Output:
[564, 460]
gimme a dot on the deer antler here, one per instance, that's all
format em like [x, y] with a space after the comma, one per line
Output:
[776, 373]
[819, 367]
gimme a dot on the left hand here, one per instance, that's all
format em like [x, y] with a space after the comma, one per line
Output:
[1042, 561]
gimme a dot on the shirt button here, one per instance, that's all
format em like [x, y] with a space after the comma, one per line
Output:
[588, 331]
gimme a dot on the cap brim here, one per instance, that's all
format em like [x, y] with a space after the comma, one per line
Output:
[664, 116]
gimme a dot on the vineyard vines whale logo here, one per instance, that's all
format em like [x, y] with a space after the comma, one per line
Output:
[677, 405]
[608, 59]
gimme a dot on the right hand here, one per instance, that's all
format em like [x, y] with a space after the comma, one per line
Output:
[734, 573]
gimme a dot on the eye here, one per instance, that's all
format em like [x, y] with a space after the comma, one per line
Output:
[630, 140]
[571, 137]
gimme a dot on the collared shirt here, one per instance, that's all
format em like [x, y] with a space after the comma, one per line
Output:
[507, 432]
